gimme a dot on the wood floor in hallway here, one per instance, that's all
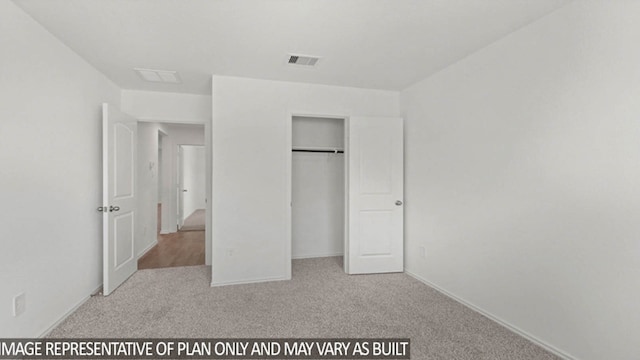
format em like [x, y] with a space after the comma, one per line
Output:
[183, 248]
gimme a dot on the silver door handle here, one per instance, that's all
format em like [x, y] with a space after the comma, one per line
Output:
[398, 202]
[184, 190]
[114, 208]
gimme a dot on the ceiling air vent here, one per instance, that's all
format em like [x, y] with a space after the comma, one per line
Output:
[159, 76]
[303, 60]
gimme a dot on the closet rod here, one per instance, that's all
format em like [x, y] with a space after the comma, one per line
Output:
[319, 151]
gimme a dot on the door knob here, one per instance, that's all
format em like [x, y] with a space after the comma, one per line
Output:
[398, 202]
[114, 208]
[184, 190]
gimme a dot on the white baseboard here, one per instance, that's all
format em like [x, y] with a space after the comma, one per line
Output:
[146, 250]
[313, 256]
[248, 281]
[507, 325]
[69, 312]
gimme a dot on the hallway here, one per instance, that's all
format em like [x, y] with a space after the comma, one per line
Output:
[183, 248]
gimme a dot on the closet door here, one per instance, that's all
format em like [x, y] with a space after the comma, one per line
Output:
[375, 201]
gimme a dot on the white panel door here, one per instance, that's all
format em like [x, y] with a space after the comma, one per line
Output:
[119, 135]
[375, 200]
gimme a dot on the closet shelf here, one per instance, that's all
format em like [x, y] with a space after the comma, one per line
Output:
[310, 150]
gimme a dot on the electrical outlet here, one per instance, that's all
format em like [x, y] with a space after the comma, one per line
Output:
[422, 252]
[19, 304]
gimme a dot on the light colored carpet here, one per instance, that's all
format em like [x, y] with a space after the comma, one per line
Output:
[320, 301]
[195, 221]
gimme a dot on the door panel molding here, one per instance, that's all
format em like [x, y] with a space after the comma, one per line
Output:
[119, 155]
[375, 196]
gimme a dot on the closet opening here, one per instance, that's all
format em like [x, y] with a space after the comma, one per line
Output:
[318, 179]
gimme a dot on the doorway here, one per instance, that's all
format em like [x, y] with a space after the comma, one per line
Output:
[138, 175]
[163, 144]
[191, 188]
[317, 187]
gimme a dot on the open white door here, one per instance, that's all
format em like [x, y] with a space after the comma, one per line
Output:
[119, 143]
[375, 201]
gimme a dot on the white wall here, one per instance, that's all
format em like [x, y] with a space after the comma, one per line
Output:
[148, 175]
[318, 179]
[50, 151]
[167, 107]
[322, 133]
[251, 134]
[193, 179]
[522, 173]
[159, 164]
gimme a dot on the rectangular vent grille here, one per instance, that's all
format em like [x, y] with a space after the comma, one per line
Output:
[303, 60]
[159, 76]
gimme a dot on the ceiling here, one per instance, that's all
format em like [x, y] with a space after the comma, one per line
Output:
[380, 44]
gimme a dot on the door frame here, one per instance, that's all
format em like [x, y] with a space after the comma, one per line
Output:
[208, 146]
[179, 187]
[289, 183]
[162, 197]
